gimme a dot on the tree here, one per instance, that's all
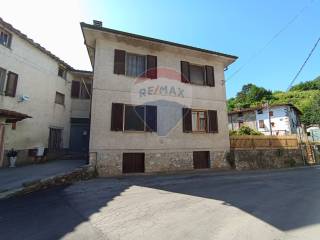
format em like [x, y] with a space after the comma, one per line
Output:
[311, 114]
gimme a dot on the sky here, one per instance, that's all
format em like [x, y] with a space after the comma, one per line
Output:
[271, 38]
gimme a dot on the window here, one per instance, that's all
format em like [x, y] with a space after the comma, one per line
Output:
[197, 74]
[133, 118]
[272, 124]
[11, 86]
[199, 121]
[59, 98]
[261, 124]
[271, 113]
[62, 72]
[2, 80]
[135, 65]
[260, 111]
[81, 89]
[5, 38]
[240, 114]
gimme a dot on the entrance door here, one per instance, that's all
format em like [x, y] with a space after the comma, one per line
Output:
[133, 162]
[55, 140]
[201, 159]
[79, 137]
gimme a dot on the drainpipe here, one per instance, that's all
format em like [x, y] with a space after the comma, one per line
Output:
[270, 126]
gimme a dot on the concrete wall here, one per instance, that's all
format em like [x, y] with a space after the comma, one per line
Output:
[108, 88]
[38, 79]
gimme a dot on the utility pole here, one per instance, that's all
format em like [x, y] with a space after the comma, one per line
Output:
[270, 125]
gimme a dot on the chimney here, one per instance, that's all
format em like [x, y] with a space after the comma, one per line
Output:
[97, 23]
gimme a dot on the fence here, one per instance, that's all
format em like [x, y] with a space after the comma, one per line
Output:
[264, 142]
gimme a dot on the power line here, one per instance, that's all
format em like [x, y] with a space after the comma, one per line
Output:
[305, 62]
[255, 55]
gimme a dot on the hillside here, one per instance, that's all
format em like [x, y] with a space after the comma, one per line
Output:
[305, 96]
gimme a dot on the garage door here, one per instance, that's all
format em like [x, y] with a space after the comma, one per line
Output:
[201, 159]
[133, 162]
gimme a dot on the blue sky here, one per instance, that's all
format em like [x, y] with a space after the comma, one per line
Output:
[236, 27]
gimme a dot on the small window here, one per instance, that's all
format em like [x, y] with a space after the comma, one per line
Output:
[62, 72]
[272, 124]
[271, 113]
[240, 114]
[11, 86]
[261, 124]
[2, 80]
[5, 38]
[134, 119]
[59, 98]
[199, 121]
[197, 74]
[260, 111]
[135, 64]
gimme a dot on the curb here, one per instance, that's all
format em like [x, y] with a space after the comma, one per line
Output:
[78, 174]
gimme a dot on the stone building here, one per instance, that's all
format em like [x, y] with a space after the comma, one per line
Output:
[36, 108]
[156, 105]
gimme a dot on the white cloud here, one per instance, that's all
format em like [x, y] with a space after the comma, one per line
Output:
[53, 24]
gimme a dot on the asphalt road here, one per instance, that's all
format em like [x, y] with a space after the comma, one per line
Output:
[253, 205]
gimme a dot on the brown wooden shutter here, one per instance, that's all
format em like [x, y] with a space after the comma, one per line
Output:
[185, 72]
[187, 120]
[119, 61]
[210, 76]
[12, 82]
[75, 89]
[151, 118]
[151, 67]
[213, 121]
[117, 117]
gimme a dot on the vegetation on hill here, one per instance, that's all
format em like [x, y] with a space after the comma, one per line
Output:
[243, 131]
[305, 96]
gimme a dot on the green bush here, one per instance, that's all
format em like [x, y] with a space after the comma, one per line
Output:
[244, 130]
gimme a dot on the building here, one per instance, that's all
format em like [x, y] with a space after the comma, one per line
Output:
[156, 105]
[278, 119]
[36, 108]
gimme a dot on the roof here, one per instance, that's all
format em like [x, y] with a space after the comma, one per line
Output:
[109, 30]
[13, 116]
[9, 27]
[263, 107]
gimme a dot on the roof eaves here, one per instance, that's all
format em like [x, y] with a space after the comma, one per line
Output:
[9, 27]
[109, 30]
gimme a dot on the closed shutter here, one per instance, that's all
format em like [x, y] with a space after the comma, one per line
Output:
[117, 117]
[151, 67]
[151, 118]
[213, 121]
[119, 61]
[2, 79]
[185, 72]
[186, 120]
[75, 89]
[133, 162]
[12, 82]
[210, 76]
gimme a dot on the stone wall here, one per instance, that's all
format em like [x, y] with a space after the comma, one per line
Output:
[266, 158]
[109, 163]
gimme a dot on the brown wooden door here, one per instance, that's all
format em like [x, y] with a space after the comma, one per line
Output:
[133, 162]
[201, 159]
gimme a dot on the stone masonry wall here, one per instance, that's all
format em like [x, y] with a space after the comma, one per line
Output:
[266, 158]
[109, 163]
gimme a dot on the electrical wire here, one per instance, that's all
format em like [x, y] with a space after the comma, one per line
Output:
[303, 65]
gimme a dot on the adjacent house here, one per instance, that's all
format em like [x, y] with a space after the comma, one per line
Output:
[41, 98]
[156, 105]
[278, 119]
